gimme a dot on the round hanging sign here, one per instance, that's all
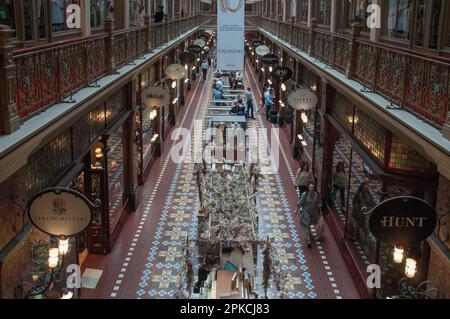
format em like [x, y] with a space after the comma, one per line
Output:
[262, 50]
[303, 99]
[402, 219]
[155, 96]
[270, 59]
[200, 42]
[282, 73]
[257, 43]
[176, 71]
[60, 211]
[187, 58]
[194, 49]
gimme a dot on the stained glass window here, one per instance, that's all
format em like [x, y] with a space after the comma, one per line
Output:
[370, 134]
[343, 110]
[86, 130]
[114, 107]
[404, 157]
[48, 163]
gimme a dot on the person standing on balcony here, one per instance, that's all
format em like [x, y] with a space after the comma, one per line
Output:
[205, 67]
[159, 15]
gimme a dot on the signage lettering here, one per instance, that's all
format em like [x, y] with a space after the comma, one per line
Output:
[402, 219]
[393, 221]
[73, 13]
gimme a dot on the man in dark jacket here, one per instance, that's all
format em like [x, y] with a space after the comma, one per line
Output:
[159, 15]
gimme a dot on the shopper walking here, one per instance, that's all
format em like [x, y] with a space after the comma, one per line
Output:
[250, 108]
[205, 67]
[309, 206]
[303, 178]
[268, 102]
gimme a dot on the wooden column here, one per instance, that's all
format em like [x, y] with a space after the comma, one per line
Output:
[356, 30]
[109, 54]
[85, 18]
[9, 118]
[128, 135]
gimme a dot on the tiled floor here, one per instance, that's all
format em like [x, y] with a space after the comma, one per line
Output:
[146, 259]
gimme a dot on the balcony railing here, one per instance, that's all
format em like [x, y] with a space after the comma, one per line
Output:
[419, 83]
[48, 75]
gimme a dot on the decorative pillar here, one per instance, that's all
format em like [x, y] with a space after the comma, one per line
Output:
[334, 15]
[85, 18]
[312, 36]
[375, 33]
[109, 51]
[356, 30]
[9, 117]
[330, 136]
[128, 135]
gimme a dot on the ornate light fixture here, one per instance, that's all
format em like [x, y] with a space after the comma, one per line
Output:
[410, 268]
[399, 253]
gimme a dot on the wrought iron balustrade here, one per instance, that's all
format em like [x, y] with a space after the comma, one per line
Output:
[417, 82]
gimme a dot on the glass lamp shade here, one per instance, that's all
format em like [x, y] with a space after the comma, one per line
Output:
[98, 152]
[410, 268]
[53, 258]
[398, 254]
[63, 246]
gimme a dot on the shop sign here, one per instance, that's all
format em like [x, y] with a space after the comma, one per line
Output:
[303, 99]
[155, 96]
[257, 43]
[60, 211]
[270, 59]
[262, 50]
[282, 73]
[194, 49]
[402, 219]
[176, 71]
[187, 58]
[200, 42]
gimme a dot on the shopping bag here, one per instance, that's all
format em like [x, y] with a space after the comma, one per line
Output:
[320, 227]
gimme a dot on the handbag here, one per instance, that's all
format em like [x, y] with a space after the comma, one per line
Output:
[320, 227]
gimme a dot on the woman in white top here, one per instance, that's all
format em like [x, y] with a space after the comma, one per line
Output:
[303, 178]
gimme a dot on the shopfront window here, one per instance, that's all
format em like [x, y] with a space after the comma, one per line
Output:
[435, 23]
[115, 178]
[324, 12]
[137, 11]
[58, 14]
[304, 11]
[99, 11]
[399, 18]
[7, 13]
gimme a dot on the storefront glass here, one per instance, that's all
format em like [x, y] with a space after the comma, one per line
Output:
[137, 11]
[99, 11]
[58, 14]
[115, 178]
[7, 13]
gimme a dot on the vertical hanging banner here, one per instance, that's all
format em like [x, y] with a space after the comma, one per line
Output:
[230, 35]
